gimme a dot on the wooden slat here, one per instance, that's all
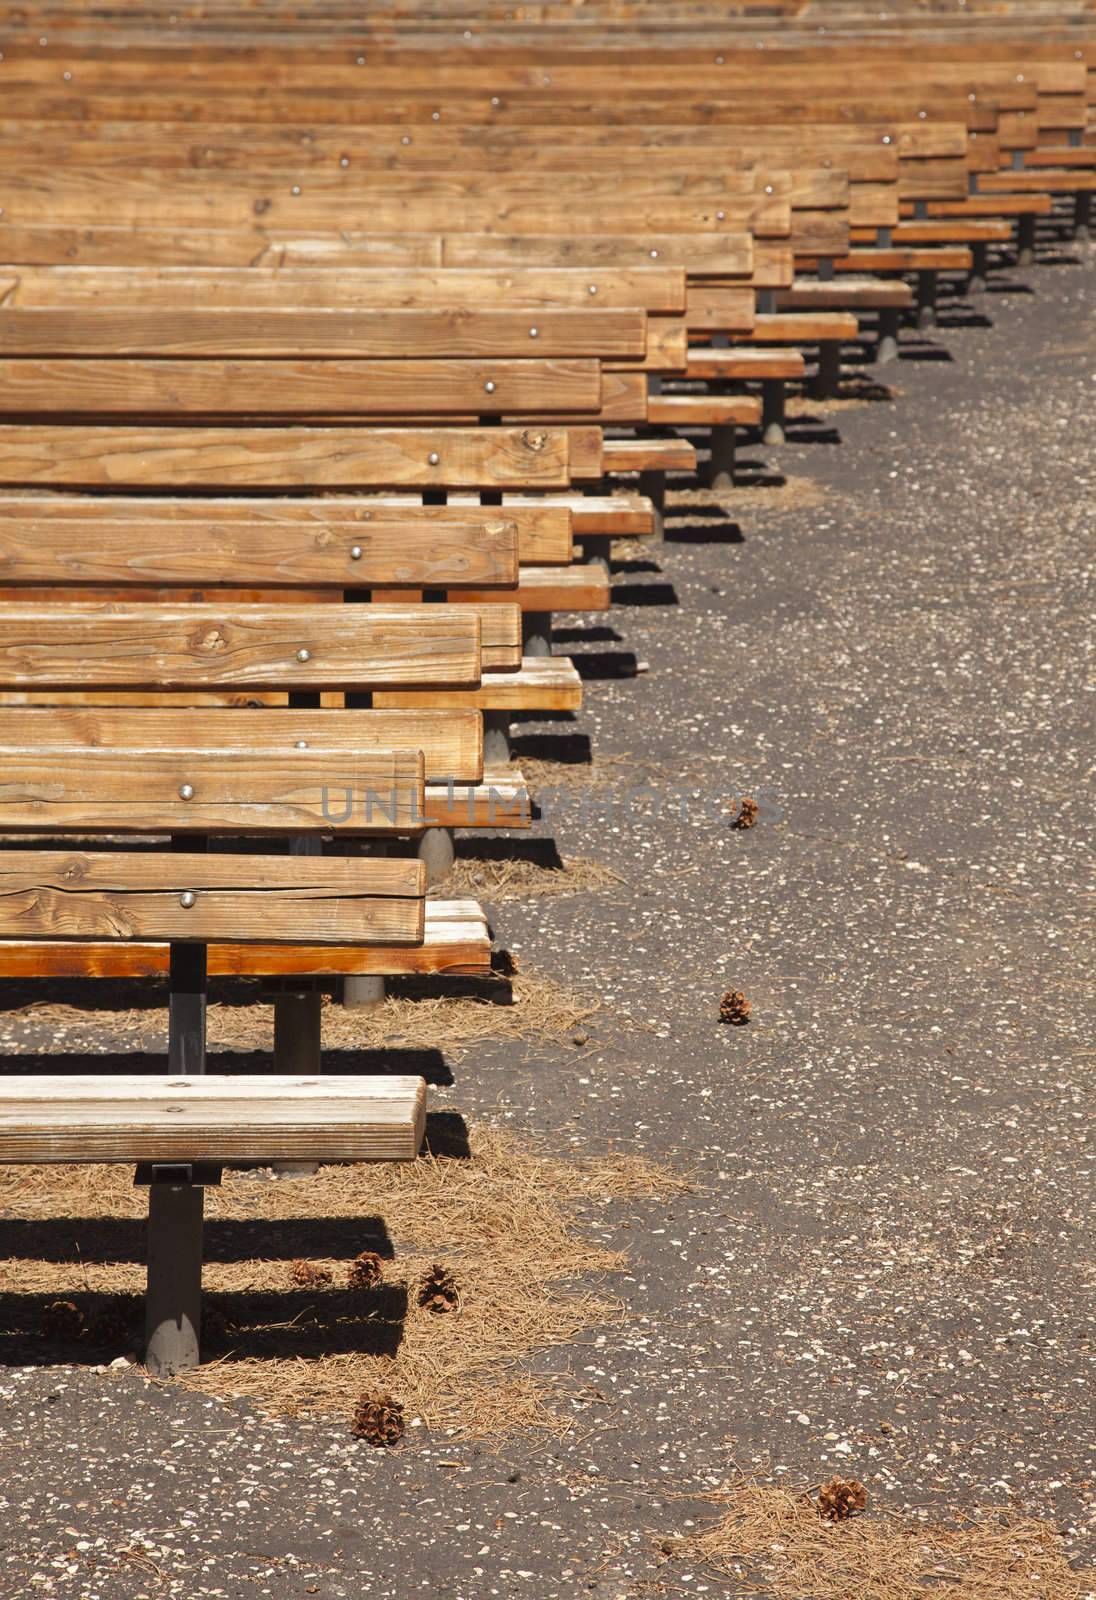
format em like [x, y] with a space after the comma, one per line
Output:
[257, 791]
[262, 1118]
[427, 388]
[451, 741]
[286, 331]
[274, 458]
[703, 410]
[651, 288]
[547, 683]
[348, 647]
[114, 541]
[456, 943]
[744, 364]
[649, 455]
[712, 254]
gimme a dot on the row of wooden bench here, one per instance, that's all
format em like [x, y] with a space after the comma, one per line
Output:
[322, 360]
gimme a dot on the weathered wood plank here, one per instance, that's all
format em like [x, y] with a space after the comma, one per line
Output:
[276, 458]
[286, 331]
[425, 388]
[211, 1118]
[210, 791]
[276, 646]
[344, 545]
[451, 741]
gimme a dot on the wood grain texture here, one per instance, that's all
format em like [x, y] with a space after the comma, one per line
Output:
[699, 253]
[147, 646]
[547, 683]
[256, 791]
[211, 1118]
[456, 942]
[276, 458]
[425, 388]
[451, 742]
[649, 288]
[285, 331]
[116, 541]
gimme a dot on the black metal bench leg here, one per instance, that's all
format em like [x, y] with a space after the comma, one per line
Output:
[1082, 214]
[926, 299]
[886, 343]
[297, 1031]
[772, 411]
[653, 486]
[721, 465]
[597, 547]
[173, 1302]
[828, 377]
[979, 268]
[1025, 241]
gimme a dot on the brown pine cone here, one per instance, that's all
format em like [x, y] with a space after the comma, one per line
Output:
[438, 1290]
[747, 814]
[734, 1007]
[306, 1275]
[378, 1419]
[840, 1498]
[365, 1271]
[61, 1319]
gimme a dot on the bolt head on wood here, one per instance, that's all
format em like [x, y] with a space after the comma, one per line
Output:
[304, 655]
[355, 552]
[187, 899]
[186, 791]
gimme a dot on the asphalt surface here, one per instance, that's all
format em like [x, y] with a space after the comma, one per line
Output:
[884, 1266]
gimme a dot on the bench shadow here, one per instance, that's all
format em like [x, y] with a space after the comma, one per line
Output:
[644, 594]
[88, 1329]
[572, 748]
[598, 634]
[604, 665]
[395, 1062]
[637, 565]
[705, 525]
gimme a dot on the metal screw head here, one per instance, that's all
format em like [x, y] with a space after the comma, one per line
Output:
[1019, 77]
[720, 216]
[922, 115]
[495, 101]
[344, 161]
[592, 289]
[769, 188]
[534, 333]
[302, 744]
[186, 791]
[304, 655]
[887, 139]
[654, 255]
[435, 116]
[433, 458]
[406, 139]
[355, 552]
[296, 188]
[187, 899]
[489, 386]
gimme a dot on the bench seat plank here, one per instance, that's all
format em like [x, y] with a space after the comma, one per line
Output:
[744, 364]
[286, 331]
[285, 458]
[348, 647]
[216, 1118]
[231, 791]
[844, 293]
[649, 455]
[802, 327]
[456, 943]
[544, 683]
[77, 894]
[33, 385]
[451, 741]
[108, 541]
[703, 410]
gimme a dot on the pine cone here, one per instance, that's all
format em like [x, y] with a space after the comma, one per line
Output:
[734, 1007]
[378, 1419]
[747, 814]
[438, 1290]
[365, 1271]
[840, 1498]
[63, 1320]
[306, 1275]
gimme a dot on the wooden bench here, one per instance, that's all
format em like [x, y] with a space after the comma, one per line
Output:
[181, 1130]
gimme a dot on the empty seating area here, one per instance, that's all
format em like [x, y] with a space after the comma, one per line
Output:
[337, 347]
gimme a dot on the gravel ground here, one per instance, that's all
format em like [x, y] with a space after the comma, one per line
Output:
[881, 1269]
